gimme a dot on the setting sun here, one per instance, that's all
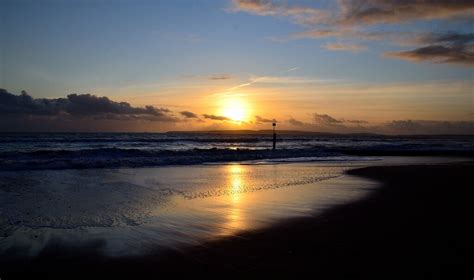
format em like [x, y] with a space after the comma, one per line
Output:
[235, 109]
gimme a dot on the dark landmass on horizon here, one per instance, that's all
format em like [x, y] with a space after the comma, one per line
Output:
[416, 225]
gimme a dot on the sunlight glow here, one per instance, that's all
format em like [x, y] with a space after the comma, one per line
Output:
[235, 108]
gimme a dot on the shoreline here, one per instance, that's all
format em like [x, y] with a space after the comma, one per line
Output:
[416, 225]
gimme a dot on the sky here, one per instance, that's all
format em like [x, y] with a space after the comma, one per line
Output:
[378, 66]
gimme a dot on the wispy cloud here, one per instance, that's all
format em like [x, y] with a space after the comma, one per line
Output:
[238, 86]
[260, 120]
[274, 80]
[284, 80]
[298, 14]
[220, 77]
[354, 48]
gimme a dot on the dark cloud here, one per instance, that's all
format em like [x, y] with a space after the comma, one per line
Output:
[189, 115]
[445, 38]
[457, 54]
[326, 123]
[295, 122]
[216, 118]
[259, 119]
[394, 11]
[221, 77]
[324, 119]
[451, 47]
[448, 47]
[78, 106]
[354, 121]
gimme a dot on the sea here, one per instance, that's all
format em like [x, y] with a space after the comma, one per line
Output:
[33, 151]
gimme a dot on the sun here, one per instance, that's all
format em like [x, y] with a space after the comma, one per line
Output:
[235, 109]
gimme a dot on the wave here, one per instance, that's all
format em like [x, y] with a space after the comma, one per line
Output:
[119, 157]
[116, 157]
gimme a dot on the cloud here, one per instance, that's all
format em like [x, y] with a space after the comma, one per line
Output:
[448, 47]
[353, 20]
[284, 80]
[259, 120]
[326, 123]
[445, 38]
[354, 48]
[337, 32]
[295, 122]
[354, 121]
[395, 11]
[318, 33]
[278, 80]
[220, 77]
[189, 115]
[298, 14]
[324, 119]
[359, 12]
[78, 106]
[327, 120]
[216, 118]
[456, 54]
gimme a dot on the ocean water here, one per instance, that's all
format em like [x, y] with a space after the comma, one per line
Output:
[31, 151]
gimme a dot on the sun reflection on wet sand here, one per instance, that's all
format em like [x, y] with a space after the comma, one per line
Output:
[236, 199]
[178, 205]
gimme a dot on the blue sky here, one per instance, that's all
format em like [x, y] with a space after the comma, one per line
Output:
[132, 50]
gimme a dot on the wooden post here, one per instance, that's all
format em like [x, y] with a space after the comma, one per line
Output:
[274, 136]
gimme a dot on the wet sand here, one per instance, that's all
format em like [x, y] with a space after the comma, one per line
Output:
[415, 226]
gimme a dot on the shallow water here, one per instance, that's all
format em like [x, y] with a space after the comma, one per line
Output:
[135, 209]
[132, 211]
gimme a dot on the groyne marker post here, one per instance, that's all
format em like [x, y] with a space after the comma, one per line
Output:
[274, 136]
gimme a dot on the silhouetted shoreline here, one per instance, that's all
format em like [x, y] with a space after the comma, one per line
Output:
[415, 226]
